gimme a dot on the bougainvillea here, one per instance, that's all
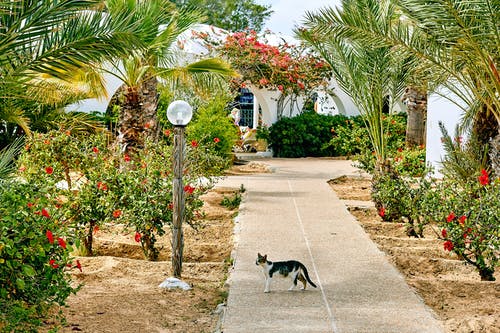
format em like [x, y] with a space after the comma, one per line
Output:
[291, 69]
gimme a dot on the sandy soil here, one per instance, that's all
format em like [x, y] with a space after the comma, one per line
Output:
[120, 289]
[452, 289]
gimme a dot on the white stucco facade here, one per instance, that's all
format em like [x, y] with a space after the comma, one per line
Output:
[443, 107]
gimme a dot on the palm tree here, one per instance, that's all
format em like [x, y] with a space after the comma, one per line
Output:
[47, 47]
[367, 74]
[460, 39]
[142, 68]
[456, 43]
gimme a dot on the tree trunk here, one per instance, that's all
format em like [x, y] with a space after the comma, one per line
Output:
[130, 122]
[149, 98]
[416, 102]
[487, 131]
[137, 119]
[495, 155]
[88, 241]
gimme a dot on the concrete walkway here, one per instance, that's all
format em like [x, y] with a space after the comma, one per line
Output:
[294, 214]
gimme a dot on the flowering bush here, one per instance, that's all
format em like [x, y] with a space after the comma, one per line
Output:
[468, 215]
[409, 162]
[82, 172]
[107, 186]
[34, 255]
[291, 69]
[146, 196]
[402, 200]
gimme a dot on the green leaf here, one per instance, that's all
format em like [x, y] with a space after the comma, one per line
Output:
[28, 270]
[20, 283]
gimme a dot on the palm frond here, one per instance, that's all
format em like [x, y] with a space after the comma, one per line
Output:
[7, 158]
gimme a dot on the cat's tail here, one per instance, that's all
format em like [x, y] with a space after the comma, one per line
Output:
[306, 275]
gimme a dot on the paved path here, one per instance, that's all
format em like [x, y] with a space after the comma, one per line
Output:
[293, 214]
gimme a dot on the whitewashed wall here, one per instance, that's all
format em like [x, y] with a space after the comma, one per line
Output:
[440, 109]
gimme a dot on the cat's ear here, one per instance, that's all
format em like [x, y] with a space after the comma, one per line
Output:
[259, 255]
[265, 257]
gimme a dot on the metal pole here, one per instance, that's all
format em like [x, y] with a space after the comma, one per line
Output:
[178, 202]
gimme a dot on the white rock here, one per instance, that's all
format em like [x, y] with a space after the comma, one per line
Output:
[172, 283]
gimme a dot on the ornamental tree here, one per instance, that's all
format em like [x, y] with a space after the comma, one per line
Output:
[294, 70]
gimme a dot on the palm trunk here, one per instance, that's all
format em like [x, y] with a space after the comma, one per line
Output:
[130, 122]
[149, 96]
[487, 130]
[416, 101]
[495, 155]
[138, 119]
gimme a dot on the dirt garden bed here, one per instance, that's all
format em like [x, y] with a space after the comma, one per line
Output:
[452, 289]
[120, 290]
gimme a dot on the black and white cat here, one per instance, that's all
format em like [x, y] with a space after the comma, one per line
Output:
[292, 268]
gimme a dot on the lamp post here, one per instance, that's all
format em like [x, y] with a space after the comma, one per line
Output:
[179, 113]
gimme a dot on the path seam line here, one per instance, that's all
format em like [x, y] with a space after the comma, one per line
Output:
[301, 224]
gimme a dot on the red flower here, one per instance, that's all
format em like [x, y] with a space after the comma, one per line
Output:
[95, 150]
[78, 265]
[444, 233]
[61, 242]
[117, 213]
[50, 236]
[189, 189]
[280, 87]
[126, 158]
[137, 237]
[400, 150]
[53, 264]
[194, 143]
[216, 140]
[49, 170]
[45, 213]
[46, 141]
[381, 212]
[30, 205]
[450, 217]
[263, 81]
[167, 132]
[102, 186]
[484, 179]
[96, 229]
[301, 85]
[147, 125]
[170, 206]
[462, 219]
[448, 245]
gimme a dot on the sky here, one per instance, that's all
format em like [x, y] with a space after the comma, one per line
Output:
[288, 13]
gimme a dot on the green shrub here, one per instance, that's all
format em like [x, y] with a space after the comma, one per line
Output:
[350, 138]
[34, 255]
[85, 170]
[213, 129]
[395, 132]
[305, 135]
[465, 205]
[401, 199]
[409, 162]
[468, 215]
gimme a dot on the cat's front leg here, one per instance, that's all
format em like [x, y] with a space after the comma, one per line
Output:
[268, 285]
